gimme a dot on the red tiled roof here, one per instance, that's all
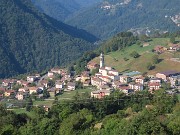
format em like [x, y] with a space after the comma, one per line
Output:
[154, 84]
[106, 77]
[9, 91]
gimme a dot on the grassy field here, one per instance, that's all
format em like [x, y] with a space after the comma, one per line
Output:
[179, 97]
[116, 59]
[65, 96]
[22, 110]
[42, 103]
[71, 94]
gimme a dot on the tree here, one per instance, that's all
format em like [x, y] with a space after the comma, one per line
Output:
[94, 71]
[144, 38]
[45, 93]
[149, 66]
[134, 54]
[51, 83]
[29, 104]
[79, 85]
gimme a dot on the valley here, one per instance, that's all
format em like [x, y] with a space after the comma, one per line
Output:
[89, 67]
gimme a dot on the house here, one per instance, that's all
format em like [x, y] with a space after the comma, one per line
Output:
[78, 78]
[174, 47]
[31, 79]
[139, 80]
[155, 80]
[125, 89]
[105, 87]
[92, 65]
[23, 83]
[125, 79]
[165, 75]
[9, 93]
[85, 76]
[24, 89]
[64, 72]
[100, 93]
[21, 95]
[95, 81]
[44, 83]
[103, 71]
[87, 83]
[159, 49]
[116, 84]
[33, 90]
[174, 80]
[8, 82]
[136, 87]
[106, 79]
[71, 86]
[113, 72]
[154, 86]
[59, 84]
[113, 77]
[56, 70]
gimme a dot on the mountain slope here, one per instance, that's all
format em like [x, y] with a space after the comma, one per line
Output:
[122, 60]
[112, 16]
[62, 9]
[32, 41]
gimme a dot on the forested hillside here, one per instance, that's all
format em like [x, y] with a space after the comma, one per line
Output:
[113, 16]
[139, 114]
[32, 41]
[62, 9]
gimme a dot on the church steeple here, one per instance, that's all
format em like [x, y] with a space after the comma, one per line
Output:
[101, 60]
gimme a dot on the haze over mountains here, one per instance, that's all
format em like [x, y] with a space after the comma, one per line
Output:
[109, 17]
[33, 41]
[63, 9]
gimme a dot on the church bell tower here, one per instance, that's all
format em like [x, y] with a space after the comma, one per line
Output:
[101, 60]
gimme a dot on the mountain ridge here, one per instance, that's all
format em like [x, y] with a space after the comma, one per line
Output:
[32, 41]
[113, 16]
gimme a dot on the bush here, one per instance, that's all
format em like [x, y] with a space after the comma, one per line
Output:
[150, 66]
[126, 59]
[134, 54]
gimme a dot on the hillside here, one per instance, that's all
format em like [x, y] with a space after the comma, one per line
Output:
[62, 9]
[123, 62]
[32, 41]
[113, 16]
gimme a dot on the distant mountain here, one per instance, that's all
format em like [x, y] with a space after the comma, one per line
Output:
[109, 17]
[30, 40]
[62, 9]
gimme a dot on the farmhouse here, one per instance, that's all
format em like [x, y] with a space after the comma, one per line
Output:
[100, 93]
[165, 75]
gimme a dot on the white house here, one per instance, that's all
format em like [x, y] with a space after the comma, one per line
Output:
[31, 79]
[136, 87]
[21, 95]
[125, 79]
[59, 85]
[100, 93]
[71, 86]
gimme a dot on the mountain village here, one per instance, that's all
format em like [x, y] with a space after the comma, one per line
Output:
[104, 82]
